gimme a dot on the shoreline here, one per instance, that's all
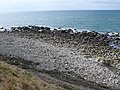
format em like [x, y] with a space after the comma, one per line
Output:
[64, 50]
[8, 27]
[114, 37]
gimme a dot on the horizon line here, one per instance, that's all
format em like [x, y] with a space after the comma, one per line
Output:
[63, 10]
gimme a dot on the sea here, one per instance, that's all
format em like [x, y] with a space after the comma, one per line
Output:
[81, 20]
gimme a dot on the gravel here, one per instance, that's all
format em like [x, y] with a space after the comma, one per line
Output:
[51, 57]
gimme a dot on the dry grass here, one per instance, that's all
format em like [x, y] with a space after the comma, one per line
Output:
[13, 78]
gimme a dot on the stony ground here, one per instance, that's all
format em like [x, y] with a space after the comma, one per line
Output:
[59, 59]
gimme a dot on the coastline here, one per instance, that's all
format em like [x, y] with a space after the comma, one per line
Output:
[66, 51]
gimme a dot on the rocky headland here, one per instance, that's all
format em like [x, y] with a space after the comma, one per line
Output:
[86, 59]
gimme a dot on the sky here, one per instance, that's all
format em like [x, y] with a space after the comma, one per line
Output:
[43, 5]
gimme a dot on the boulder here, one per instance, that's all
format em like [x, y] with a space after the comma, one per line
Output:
[46, 28]
[92, 34]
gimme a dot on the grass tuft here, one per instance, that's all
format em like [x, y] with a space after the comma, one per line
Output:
[14, 78]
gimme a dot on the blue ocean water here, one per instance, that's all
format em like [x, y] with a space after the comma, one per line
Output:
[93, 20]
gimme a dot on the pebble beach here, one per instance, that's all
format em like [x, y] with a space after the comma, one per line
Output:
[82, 56]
